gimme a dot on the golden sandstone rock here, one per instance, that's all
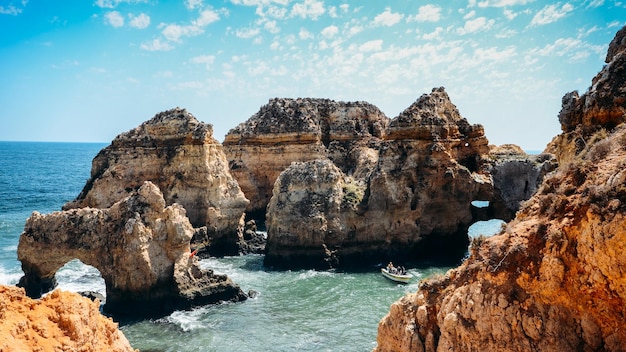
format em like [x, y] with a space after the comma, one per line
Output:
[555, 278]
[61, 321]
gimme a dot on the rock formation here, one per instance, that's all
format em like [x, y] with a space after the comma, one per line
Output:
[585, 119]
[61, 321]
[554, 279]
[177, 153]
[288, 130]
[516, 176]
[140, 246]
[408, 193]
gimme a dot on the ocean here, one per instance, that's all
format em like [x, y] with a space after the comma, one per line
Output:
[303, 310]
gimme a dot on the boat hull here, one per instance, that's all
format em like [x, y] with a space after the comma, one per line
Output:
[395, 277]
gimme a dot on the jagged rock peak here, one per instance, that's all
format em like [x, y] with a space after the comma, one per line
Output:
[171, 126]
[434, 108]
[602, 107]
[311, 116]
[432, 115]
[617, 45]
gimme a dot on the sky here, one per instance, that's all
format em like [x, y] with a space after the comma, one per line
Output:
[86, 71]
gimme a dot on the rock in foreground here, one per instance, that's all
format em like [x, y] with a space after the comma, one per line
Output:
[61, 321]
[139, 245]
[555, 278]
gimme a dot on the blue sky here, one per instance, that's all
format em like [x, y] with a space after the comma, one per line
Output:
[89, 70]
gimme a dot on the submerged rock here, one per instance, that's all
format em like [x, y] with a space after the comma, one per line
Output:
[554, 279]
[61, 321]
[178, 153]
[140, 246]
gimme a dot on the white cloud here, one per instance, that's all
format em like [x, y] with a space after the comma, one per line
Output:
[502, 3]
[206, 60]
[156, 45]
[332, 12]
[247, 32]
[469, 15]
[551, 13]
[309, 8]
[387, 18]
[510, 15]
[476, 25]
[10, 10]
[344, 7]
[595, 3]
[433, 35]
[193, 4]
[206, 17]
[330, 31]
[304, 34]
[114, 19]
[372, 45]
[427, 13]
[272, 27]
[140, 21]
[174, 32]
[111, 4]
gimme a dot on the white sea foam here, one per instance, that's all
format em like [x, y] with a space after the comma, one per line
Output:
[190, 320]
[76, 277]
[10, 277]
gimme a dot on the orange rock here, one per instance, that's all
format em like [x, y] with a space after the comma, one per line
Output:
[61, 321]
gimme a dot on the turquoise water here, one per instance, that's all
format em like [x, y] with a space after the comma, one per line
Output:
[294, 310]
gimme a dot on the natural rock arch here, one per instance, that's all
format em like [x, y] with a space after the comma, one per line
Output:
[140, 246]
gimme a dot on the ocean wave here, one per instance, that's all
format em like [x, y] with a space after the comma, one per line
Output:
[10, 277]
[76, 277]
[191, 320]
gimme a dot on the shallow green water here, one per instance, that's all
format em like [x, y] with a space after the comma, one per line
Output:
[294, 311]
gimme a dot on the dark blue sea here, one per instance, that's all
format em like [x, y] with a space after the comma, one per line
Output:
[301, 310]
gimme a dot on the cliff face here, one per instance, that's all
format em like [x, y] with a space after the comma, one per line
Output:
[177, 153]
[61, 321]
[554, 279]
[288, 130]
[139, 245]
[585, 119]
[408, 194]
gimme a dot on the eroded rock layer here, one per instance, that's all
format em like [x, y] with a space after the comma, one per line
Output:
[555, 278]
[140, 246]
[289, 130]
[408, 195]
[177, 153]
[61, 321]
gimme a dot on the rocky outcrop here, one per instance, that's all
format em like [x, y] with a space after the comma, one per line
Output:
[177, 153]
[586, 119]
[61, 321]
[289, 130]
[408, 195]
[139, 244]
[553, 280]
[516, 176]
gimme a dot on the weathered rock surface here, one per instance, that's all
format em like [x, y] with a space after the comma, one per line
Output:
[516, 177]
[555, 278]
[408, 195]
[177, 153]
[289, 130]
[585, 119]
[140, 246]
[61, 321]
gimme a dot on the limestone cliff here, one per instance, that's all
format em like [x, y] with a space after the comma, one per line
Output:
[61, 321]
[177, 153]
[288, 130]
[585, 119]
[554, 279]
[409, 196]
[140, 246]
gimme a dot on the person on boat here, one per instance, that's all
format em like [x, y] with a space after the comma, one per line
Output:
[392, 269]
